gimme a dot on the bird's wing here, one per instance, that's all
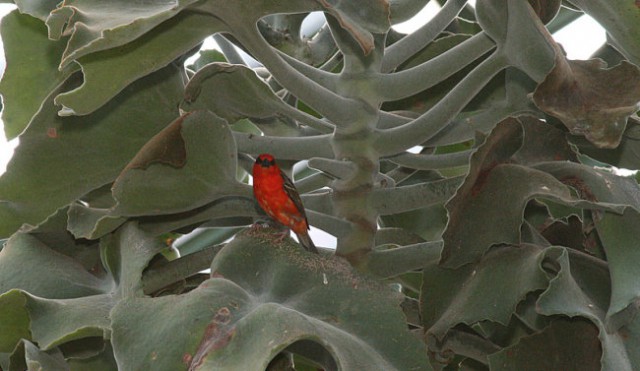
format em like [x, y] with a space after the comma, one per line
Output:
[293, 194]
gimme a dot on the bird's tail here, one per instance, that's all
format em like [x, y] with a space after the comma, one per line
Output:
[307, 242]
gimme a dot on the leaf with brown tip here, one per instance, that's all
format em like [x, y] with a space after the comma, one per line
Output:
[591, 100]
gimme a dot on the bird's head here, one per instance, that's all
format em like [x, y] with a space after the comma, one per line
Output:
[265, 160]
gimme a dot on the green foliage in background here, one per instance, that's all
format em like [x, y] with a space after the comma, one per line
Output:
[504, 240]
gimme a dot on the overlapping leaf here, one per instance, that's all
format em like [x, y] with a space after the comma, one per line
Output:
[565, 344]
[37, 9]
[71, 303]
[262, 299]
[467, 295]
[581, 288]
[619, 238]
[95, 25]
[107, 72]
[195, 154]
[590, 100]
[60, 159]
[508, 24]
[64, 278]
[493, 171]
[483, 191]
[32, 70]
[232, 92]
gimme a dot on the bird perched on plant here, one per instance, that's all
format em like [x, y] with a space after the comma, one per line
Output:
[278, 197]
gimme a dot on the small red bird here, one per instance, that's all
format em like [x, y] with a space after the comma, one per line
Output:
[278, 197]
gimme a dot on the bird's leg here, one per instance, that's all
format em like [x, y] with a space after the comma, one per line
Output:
[282, 235]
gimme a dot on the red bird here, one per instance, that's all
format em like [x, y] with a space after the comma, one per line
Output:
[278, 197]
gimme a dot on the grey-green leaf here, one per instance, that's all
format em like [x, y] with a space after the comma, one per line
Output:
[59, 159]
[196, 155]
[262, 299]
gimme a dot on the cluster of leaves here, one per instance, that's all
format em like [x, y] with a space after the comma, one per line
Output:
[507, 242]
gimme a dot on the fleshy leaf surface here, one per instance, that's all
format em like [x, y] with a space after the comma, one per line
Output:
[261, 299]
[32, 70]
[196, 153]
[590, 100]
[60, 159]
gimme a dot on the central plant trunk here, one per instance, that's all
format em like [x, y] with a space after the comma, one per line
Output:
[351, 195]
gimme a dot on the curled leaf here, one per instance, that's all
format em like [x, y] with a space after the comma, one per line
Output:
[591, 100]
[195, 154]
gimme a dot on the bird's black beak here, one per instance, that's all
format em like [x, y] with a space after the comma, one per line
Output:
[265, 162]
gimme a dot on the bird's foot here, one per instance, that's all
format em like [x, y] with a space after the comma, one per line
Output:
[281, 236]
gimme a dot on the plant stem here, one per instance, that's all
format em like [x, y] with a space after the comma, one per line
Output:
[396, 140]
[286, 148]
[229, 50]
[411, 44]
[400, 199]
[432, 162]
[399, 85]
[329, 104]
[155, 278]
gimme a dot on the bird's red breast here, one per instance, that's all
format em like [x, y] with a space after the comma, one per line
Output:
[276, 194]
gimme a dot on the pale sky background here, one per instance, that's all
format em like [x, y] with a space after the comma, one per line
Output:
[580, 39]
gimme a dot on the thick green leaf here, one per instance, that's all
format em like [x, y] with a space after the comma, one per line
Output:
[125, 254]
[599, 188]
[564, 345]
[205, 57]
[32, 70]
[23, 261]
[37, 359]
[468, 296]
[226, 212]
[426, 99]
[361, 20]
[233, 92]
[545, 10]
[512, 25]
[403, 10]
[195, 154]
[582, 288]
[54, 234]
[37, 8]
[59, 305]
[14, 321]
[96, 25]
[591, 100]
[496, 214]
[103, 361]
[58, 321]
[264, 298]
[59, 159]
[626, 156]
[92, 222]
[619, 236]
[109, 71]
[542, 143]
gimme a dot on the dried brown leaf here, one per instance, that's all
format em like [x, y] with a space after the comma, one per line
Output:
[590, 99]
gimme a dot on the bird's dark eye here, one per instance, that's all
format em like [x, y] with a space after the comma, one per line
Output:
[265, 161]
